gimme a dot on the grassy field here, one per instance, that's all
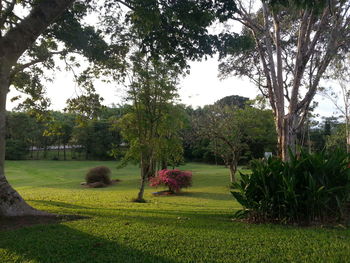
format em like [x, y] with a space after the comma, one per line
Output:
[195, 226]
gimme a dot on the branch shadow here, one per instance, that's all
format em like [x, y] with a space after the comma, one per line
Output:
[60, 244]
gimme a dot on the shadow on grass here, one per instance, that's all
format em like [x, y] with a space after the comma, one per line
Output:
[11, 223]
[60, 204]
[60, 243]
[206, 195]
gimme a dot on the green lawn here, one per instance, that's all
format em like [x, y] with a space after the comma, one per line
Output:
[193, 227]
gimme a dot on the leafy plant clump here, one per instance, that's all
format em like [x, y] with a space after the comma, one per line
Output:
[175, 179]
[99, 174]
[310, 188]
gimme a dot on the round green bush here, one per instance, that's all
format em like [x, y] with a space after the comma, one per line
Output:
[99, 174]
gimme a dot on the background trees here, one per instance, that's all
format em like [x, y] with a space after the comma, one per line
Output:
[233, 132]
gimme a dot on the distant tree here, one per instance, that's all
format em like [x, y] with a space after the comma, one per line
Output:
[231, 130]
[233, 101]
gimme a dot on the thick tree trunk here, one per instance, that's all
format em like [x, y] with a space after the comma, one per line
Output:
[287, 135]
[11, 203]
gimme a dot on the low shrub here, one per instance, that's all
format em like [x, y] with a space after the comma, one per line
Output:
[98, 174]
[173, 179]
[308, 188]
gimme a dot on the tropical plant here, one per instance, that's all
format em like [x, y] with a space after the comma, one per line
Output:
[308, 188]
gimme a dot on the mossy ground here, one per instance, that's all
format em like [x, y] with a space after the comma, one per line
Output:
[195, 226]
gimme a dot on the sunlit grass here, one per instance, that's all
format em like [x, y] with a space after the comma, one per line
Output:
[195, 226]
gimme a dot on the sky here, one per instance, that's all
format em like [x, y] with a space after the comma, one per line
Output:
[201, 87]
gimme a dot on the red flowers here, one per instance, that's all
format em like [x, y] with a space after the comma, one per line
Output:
[174, 179]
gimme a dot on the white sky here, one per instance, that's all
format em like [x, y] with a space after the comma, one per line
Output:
[199, 88]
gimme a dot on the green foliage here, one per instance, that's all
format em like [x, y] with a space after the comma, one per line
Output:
[16, 149]
[98, 174]
[151, 126]
[308, 188]
[337, 139]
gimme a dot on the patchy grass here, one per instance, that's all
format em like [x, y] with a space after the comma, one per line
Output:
[195, 226]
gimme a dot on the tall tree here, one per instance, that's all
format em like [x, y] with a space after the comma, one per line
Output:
[285, 48]
[152, 91]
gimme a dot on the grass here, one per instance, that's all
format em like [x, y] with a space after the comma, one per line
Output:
[193, 227]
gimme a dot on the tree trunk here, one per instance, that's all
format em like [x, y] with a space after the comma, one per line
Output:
[347, 133]
[64, 152]
[145, 166]
[233, 168]
[164, 165]
[286, 132]
[11, 203]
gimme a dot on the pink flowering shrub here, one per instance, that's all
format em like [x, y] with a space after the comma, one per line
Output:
[174, 179]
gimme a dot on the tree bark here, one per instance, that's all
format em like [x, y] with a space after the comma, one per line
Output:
[288, 136]
[145, 169]
[233, 167]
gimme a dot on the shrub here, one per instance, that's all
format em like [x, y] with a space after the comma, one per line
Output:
[98, 174]
[173, 179]
[308, 188]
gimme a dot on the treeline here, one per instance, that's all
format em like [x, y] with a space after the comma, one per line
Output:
[232, 129]
[61, 136]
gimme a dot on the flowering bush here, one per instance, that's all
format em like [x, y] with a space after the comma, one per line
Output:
[174, 179]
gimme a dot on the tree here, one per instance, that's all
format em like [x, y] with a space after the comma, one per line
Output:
[285, 48]
[340, 72]
[152, 91]
[231, 130]
[16, 38]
